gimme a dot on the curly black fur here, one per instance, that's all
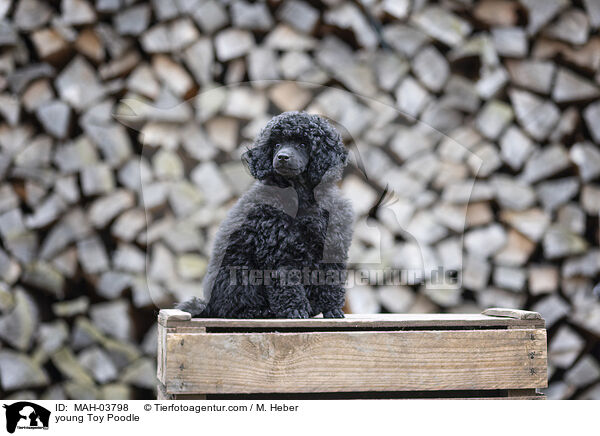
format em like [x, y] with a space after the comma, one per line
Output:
[283, 226]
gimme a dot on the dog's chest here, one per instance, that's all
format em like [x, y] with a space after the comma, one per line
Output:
[302, 235]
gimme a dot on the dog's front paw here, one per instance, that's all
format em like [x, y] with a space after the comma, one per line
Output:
[299, 313]
[295, 313]
[333, 313]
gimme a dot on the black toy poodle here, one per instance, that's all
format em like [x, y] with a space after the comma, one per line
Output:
[281, 251]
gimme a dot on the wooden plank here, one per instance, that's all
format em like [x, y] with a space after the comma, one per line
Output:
[300, 397]
[161, 357]
[187, 329]
[355, 361]
[521, 397]
[167, 315]
[161, 392]
[189, 396]
[512, 313]
[363, 321]
[520, 394]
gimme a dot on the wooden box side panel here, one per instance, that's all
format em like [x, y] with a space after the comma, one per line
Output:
[355, 361]
[161, 354]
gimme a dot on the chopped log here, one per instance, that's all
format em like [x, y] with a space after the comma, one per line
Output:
[493, 118]
[516, 147]
[210, 16]
[18, 326]
[545, 163]
[534, 75]
[20, 78]
[36, 94]
[8, 35]
[406, 40]
[555, 193]
[171, 73]
[120, 67]
[431, 68]
[156, 39]
[78, 85]
[129, 224]
[442, 25]
[532, 223]
[510, 41]
[251, 16]
[97, 179]
[585, 371]
[510, 278]
[590, 199]
[492, 81]
[299, 14]
[31, 14]
[18, 371]
[200, 60]
[593, 10]
[77, 12]
[89, 44]
[133, 21]
[572, 26]
[587, 158]
[570, 87]
[541, 12]
[572, 217]
[535, 115]
[591, 115]
[92, 255]
[112, 318]
[411, 97]
[284, 37]
[559, 242]
[497, 12]
[55, 116]
[233, 43]
[348, 16]
[485, 241]
[289, 96]
[262, 65]
[513, 194]
[49, 44]
[543, 279]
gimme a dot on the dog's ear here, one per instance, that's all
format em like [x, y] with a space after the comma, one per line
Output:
[258, 159]
[258, 162]
[328, 154]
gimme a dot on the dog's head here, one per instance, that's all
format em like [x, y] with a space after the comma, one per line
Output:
[297, 144]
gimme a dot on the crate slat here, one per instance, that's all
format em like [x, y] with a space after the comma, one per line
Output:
[354, 361]
[362, 321]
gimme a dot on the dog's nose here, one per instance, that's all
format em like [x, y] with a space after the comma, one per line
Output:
[283, 156]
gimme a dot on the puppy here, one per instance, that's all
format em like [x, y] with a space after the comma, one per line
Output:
[281, 251]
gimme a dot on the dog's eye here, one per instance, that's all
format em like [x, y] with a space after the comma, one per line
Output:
[302, 145]
[278, 145]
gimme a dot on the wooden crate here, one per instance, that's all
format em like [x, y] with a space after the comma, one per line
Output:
[498, 354]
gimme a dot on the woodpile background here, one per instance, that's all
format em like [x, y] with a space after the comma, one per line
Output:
[120, 154]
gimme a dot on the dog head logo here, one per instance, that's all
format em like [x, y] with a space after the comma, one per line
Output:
[26, 415]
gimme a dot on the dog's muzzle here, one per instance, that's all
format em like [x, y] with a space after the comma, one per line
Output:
[287, 163]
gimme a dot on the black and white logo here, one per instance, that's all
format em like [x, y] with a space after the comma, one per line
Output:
[26, 415]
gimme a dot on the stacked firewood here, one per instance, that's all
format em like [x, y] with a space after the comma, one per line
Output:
[122, 124]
